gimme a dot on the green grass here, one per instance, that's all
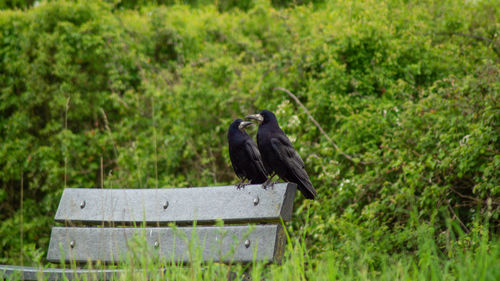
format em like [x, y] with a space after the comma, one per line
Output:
[467, 257]
[470, 256]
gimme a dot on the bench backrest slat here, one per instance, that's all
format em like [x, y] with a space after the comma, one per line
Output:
[240, 243]
[180, 205]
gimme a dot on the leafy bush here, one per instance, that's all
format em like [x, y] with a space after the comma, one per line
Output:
[92, 96]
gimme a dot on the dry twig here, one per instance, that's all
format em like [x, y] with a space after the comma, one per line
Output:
[350, 158]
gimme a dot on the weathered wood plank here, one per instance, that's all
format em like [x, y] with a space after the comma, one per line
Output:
[37, 273]
[180, 205]
[220, 244]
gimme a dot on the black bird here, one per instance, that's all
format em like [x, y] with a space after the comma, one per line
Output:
[278, 154]
[244, 154]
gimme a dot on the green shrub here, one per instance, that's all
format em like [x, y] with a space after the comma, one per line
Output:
[96, 95]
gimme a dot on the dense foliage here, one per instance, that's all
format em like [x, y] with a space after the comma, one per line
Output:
[94, 94]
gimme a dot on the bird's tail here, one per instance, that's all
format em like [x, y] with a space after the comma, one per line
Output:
[305, 186]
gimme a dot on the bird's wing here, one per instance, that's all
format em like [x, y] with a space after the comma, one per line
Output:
[287, 153]
[294, 164]
[235, 163]
[290, 158]
[253, 152]
[236, 168]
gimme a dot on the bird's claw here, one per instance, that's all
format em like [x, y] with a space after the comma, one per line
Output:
[267, 183]
[241, 185]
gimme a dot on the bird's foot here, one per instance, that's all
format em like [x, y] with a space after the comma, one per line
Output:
[267, 183]
[241, 185]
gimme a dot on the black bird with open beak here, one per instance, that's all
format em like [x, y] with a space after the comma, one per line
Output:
[244, 154]
[279, 156]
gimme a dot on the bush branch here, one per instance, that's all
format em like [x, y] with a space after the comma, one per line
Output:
[350, 158]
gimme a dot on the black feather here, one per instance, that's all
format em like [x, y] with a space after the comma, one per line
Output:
[245, 156]
[279, 155]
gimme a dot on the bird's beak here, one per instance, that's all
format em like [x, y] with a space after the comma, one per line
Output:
[257, 117]
[244, 124]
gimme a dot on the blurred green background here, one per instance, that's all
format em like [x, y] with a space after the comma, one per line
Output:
[136, 94]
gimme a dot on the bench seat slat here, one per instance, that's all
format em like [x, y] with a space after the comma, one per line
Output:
[217, 243]
[180, 205]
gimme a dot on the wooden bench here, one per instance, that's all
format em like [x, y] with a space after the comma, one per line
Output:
[97, 225]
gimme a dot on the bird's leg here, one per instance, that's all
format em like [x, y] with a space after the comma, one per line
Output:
[271, 183]
[241, 184]
[275, 182]
[266, 184]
